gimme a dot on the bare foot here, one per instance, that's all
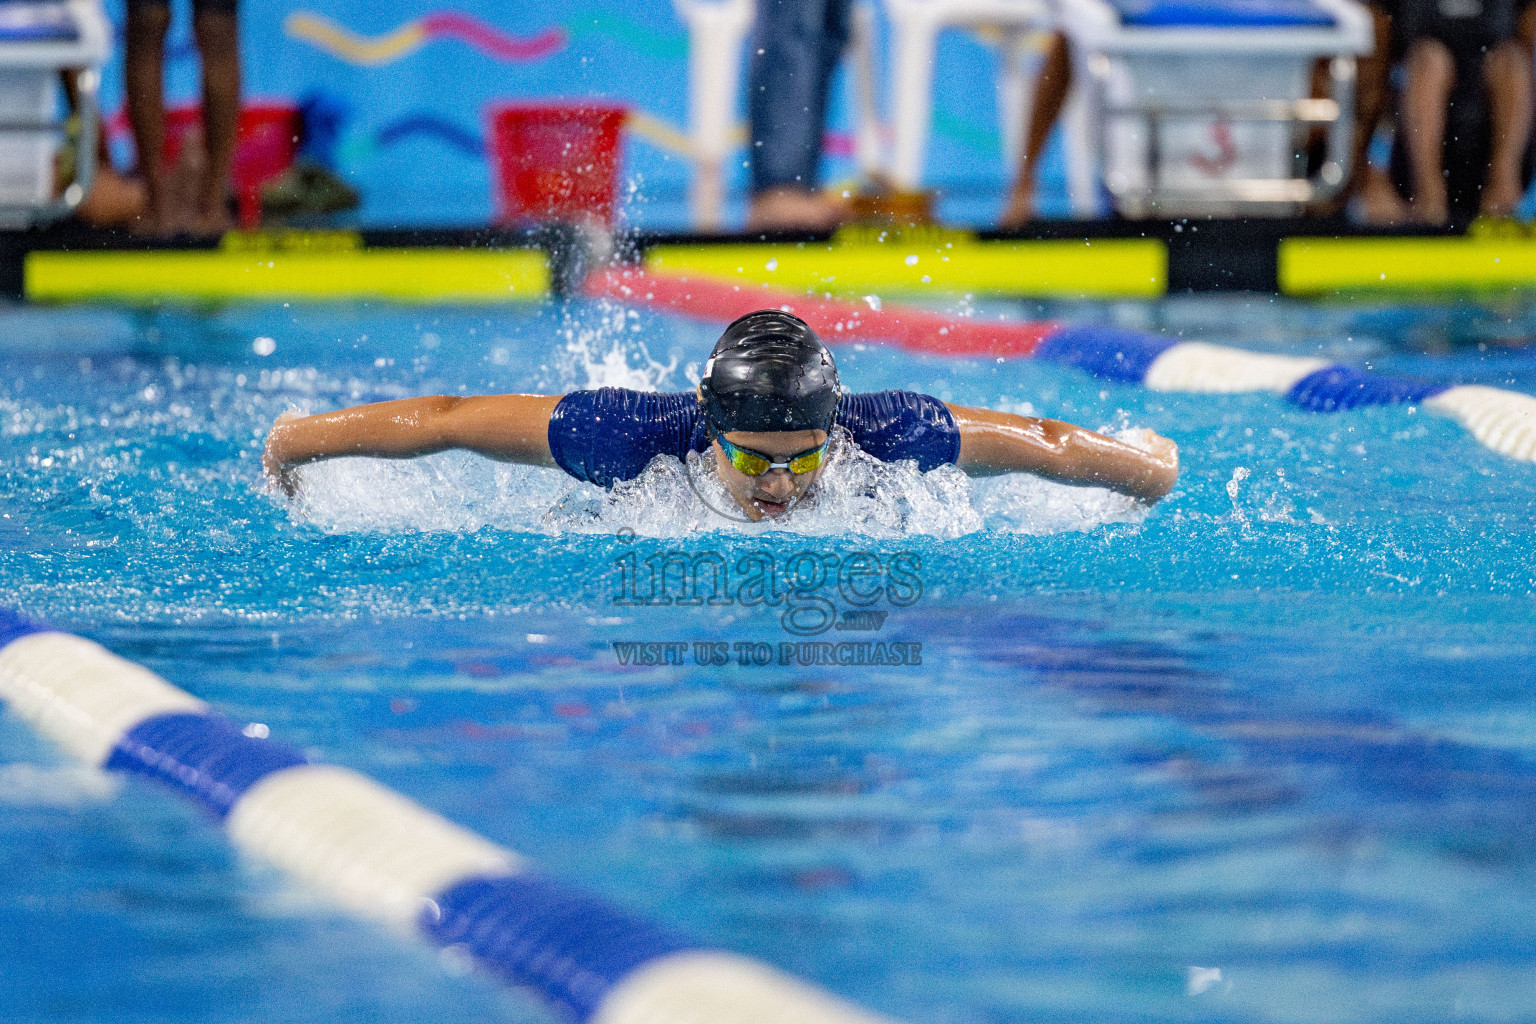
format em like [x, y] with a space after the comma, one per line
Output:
[171, 208]
[1431, 205]
[1501, 195]
[179, 208]
[1430, 213]
[211, 221]
[112, 201]
[1020, 210]
[1380, 203]
[792, 209]
[155, 220]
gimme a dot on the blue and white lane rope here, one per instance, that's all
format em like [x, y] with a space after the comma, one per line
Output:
[1502, 420]
[388, 859]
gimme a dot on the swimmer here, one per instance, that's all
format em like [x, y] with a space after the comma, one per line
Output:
[770, 408]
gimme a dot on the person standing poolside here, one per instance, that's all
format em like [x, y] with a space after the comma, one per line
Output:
[770, 408]
[796, 45]
[1460, 58]
[215, 25]
[1052, 84]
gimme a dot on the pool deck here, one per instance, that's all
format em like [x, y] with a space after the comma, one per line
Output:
[1060, 259]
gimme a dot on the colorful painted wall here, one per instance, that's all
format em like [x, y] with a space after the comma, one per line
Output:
[415, 79]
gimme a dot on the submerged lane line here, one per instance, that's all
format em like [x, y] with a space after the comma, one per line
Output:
[384, 857]
[1504, 421]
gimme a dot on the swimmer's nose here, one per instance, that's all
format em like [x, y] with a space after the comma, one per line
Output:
[777, 484]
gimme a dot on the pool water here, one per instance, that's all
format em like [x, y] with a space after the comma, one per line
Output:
[1267, 752]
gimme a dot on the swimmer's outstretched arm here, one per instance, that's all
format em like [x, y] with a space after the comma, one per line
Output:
[512, 428]
[999, 442]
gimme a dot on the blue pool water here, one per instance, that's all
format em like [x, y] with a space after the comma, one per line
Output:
[1283, 727]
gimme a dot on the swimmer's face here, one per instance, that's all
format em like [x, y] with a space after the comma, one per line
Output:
[772, 494]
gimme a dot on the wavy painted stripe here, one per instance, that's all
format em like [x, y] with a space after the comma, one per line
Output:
[383, 857]
[665, 136]
[355, 49]
[490, 41]
[433, 127]
[346, 45]
[952, 126]
[637, 37]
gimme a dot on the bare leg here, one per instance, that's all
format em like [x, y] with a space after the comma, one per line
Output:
[145, 63]
[1380, 203]
[1507, 74]
[182, 181]
[1431, 75]
[1371, 92]
[218, 42]
[796, 46]
[1051, 90]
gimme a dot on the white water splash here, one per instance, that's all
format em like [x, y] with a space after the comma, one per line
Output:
[857, 495]
[606, 351]
[454, 492]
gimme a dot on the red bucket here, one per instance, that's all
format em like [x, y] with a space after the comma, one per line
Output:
[556, 161]
[266, 139]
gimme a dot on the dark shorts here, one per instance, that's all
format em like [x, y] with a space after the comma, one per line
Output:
[1468, 28]
[198, 6]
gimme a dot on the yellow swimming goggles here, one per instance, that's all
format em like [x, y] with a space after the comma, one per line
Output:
[756, 463]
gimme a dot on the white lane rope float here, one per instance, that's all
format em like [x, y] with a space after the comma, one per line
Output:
[385, 858]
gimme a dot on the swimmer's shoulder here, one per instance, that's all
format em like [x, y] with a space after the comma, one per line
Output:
[604, 435]
[895, 425]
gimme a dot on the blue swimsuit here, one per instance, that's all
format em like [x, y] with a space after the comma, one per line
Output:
[613, 433]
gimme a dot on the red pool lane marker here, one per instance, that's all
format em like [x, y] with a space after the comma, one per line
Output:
[838, 322]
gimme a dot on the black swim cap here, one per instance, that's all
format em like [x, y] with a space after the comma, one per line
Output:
[770, 372]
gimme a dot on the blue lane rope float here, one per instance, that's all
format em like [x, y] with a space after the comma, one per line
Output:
[385, 858]
[1505, 421]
